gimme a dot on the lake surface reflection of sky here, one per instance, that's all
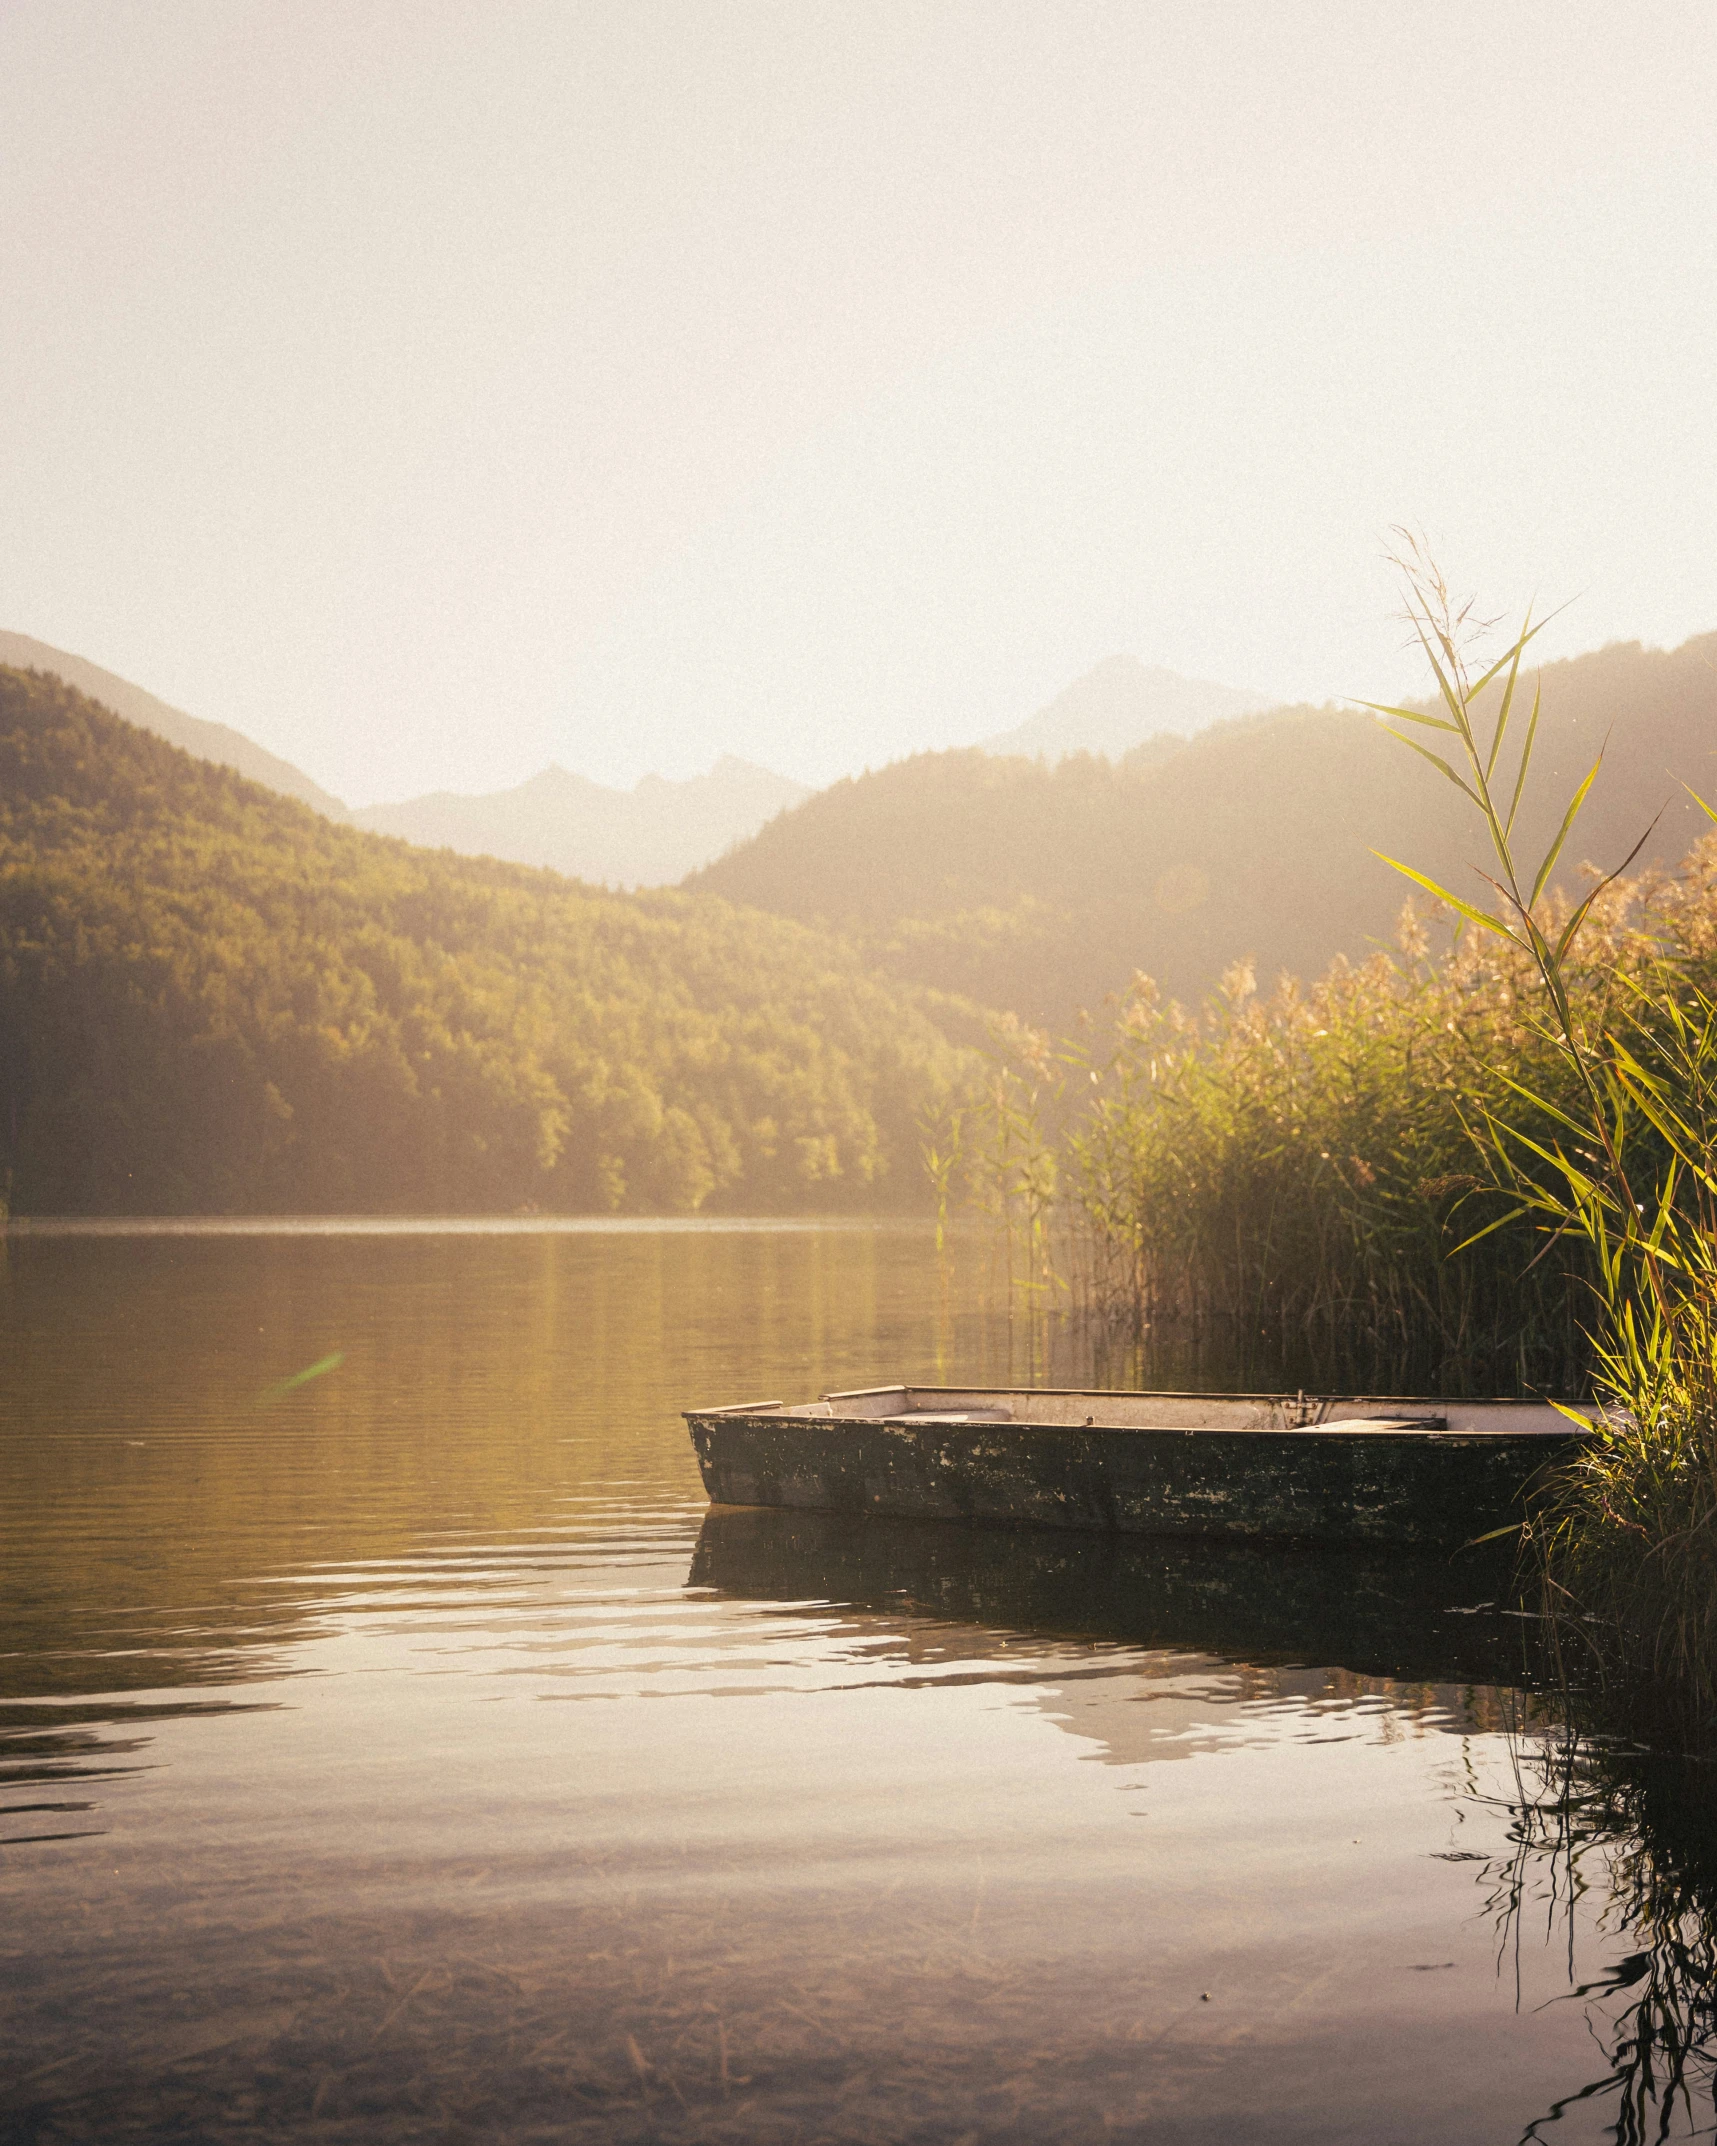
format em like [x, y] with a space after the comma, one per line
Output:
[409, 1754]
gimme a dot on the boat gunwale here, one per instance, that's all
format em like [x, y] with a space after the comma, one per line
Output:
[1175, 1393]
[1395, 1425]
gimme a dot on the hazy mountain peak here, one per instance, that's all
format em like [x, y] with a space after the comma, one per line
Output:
[551, 781]
[1117, 705]
[650, 835]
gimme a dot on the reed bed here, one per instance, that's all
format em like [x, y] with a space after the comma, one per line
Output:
[1279, 1181]
[1488, 1170]
[1281, 1178]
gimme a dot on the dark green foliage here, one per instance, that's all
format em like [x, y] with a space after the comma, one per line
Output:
[211, 998]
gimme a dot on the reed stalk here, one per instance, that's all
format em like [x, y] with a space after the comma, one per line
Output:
[1622, 1182]
[1274, 1184]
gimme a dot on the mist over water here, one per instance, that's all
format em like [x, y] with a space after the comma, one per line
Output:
[406, 1751]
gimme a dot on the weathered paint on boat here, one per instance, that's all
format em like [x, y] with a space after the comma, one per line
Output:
[1306, 1468]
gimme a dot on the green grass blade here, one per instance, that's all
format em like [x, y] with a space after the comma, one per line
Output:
[1437, 761]
[1586, 1423]
[1562, 833]
[1473, 916]
[1409, 715]
[1503, 712]
[1525, 763]
[1609, 879]
[1502, 1221]
[1553, 1111]
[1508, 655]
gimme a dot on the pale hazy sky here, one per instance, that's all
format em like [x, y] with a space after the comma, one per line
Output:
[434, 390]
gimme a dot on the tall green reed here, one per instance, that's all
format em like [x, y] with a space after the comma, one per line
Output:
[1619, 1180]
[1282, 1176]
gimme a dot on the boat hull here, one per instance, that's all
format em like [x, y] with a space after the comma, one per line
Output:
[1307, 1485]
[1418, 1616]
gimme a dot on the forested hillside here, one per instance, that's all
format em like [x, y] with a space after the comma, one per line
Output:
[207, 741]
[1043, 888]
[213, 998]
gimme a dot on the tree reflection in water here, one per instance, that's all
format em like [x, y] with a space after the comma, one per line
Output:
[1628, 1837]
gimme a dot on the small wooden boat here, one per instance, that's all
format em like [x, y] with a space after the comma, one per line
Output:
[1295, 1467]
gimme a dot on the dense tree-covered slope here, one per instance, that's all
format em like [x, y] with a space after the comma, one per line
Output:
[212, 998]
[208, 741]
[1041, 889]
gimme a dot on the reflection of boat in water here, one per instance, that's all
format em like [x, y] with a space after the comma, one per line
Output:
[1312, 1468]
[1416, 1617]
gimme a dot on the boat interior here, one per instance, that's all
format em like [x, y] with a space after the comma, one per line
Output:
[1069, 1409]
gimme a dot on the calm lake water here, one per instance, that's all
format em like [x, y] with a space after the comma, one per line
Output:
[407, 1753]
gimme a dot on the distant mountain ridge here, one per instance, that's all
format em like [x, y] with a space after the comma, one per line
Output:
[662, 829]
[1041, 888]
[1119, 705]
[209, 741]
[648, 836]
[214, 999]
